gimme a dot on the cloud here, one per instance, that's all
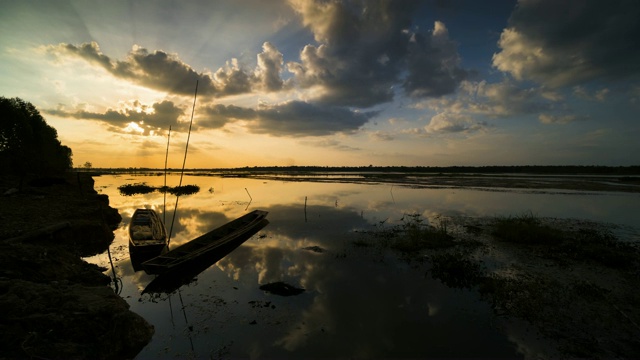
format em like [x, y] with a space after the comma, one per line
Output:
[559, 43]
[501, 99]
[558, 119]
[330, 143]
[453, 123]
[166, 72]
[270, 64]
[433, 64]
[381, 136]
[134, 117]
[291, 118]
[583, 93]
[364, 49]
[217, 116]
[364, 53]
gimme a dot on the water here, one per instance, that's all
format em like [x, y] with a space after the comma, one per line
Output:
[358, 302]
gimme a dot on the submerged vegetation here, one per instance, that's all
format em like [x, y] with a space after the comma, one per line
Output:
[585, 245]
[573, 281]
[142, 188]
[411, 235]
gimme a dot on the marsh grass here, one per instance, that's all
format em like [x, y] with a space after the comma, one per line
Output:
[599, 246]
[526, 298]
[143, 188]
[133, 189]
[525, 229]
[596, 246]
[415, 235]
[180, 190]
[456, 269]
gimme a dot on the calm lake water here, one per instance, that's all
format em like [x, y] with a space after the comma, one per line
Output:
[358, 302]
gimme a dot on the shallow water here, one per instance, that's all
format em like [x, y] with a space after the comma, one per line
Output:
[358, 302]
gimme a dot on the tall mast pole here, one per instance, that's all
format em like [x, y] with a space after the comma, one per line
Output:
[184, 161]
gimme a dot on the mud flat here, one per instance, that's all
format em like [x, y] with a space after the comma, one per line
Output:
[54, 304]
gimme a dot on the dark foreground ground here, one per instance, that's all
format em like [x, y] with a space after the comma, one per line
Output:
[54, 304]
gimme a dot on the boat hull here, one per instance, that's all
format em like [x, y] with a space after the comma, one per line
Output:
[218, 240]
[147, 234]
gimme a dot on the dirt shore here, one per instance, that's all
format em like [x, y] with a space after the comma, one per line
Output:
[56, 305]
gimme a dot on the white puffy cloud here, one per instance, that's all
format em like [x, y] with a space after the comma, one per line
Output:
[167, 72]
[270, 65]
[453, 123]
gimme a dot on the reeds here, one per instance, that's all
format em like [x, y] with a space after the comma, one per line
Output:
[142, 188]
[585, 245]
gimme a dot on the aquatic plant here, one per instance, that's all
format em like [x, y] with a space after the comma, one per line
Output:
[133, 189]
[180, 190]
[598, 246]
[525, 229]
[456, 269]
[143, 188]
[414, 235]
[562, 245]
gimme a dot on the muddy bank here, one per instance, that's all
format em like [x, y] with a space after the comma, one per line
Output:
[56, 305]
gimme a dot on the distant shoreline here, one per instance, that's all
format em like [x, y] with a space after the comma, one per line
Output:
[625, 180]
[533, 169]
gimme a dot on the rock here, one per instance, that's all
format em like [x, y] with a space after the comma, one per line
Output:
[281, 288]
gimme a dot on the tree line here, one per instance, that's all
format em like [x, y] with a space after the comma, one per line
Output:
[28, 145]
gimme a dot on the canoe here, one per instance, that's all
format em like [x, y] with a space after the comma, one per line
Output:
[228, 235]
[171, 281]
[147, 233]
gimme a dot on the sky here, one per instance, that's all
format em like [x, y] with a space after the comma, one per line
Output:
[330, 83]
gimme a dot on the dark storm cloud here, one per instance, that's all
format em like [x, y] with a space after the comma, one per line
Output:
[366, 47]
[559, 43]
[158, 116]
[293, 118]
[433, 64]
[166, 72]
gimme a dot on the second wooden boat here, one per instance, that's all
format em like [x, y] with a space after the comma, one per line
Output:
[146, 232]
[206, 244]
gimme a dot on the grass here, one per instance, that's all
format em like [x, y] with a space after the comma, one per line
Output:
[133, 189]
[180, 190]
[142, 188]
[456, 270]
[586, 245]
[584, 298]
[414, 235]
[525, 229]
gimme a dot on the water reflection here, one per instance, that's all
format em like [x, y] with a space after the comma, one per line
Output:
[358, 302]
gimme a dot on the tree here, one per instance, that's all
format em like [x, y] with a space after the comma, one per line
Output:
[27, 143]
[88, 165]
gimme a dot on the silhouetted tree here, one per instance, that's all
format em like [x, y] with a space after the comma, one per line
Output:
[27, 143]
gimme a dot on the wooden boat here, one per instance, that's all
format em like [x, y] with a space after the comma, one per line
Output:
[229, 235]
[146, 232]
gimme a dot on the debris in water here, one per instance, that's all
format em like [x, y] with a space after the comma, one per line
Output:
[281, 288]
